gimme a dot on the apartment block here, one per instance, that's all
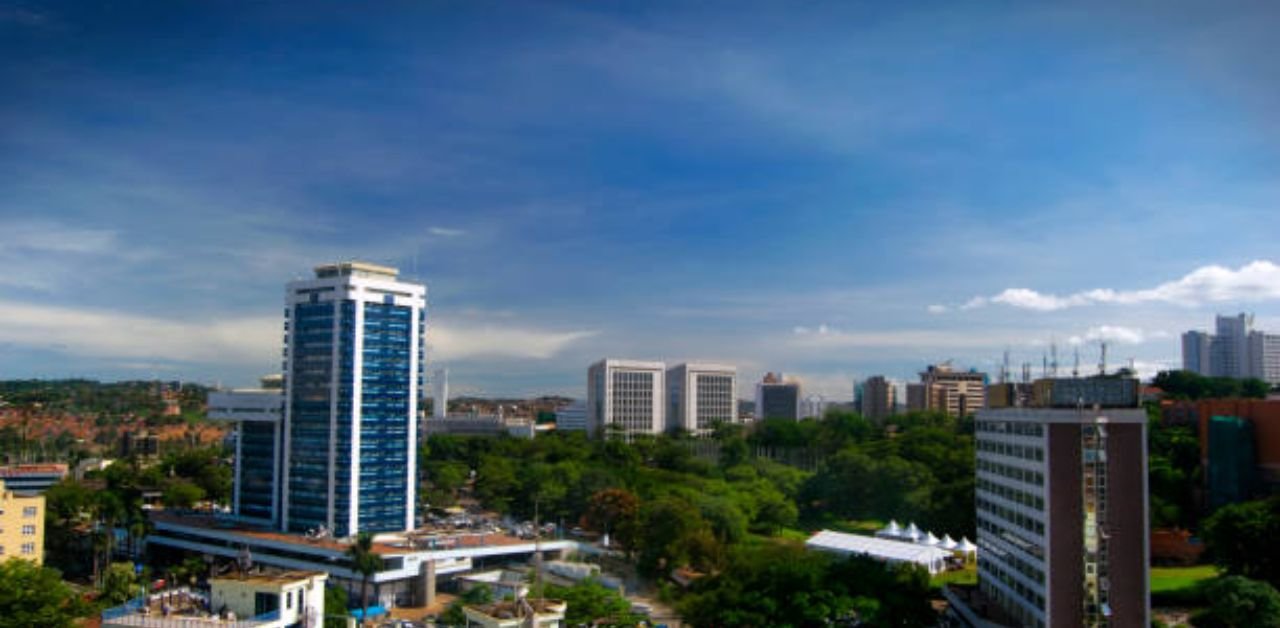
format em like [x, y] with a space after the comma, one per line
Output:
[21, 525]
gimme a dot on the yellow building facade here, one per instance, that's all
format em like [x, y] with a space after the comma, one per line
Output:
[21, 526]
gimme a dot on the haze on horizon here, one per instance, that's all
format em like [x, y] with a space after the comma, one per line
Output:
[832, 190]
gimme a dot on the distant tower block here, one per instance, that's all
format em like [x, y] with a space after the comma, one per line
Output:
[440, 393]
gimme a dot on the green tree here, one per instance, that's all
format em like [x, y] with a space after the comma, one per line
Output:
[335, 607]
[1242, 539]
[591, 603]
[35, 597]
[119, 584]
[182, 494]
[1238, 602]
[365, 562]
[785, 585]
[475, 596]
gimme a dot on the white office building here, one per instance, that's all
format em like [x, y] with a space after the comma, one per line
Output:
[625, 398]
[354, 357]
[700, 396]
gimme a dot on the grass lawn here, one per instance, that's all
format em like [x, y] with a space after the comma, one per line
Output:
[1166, 579]
[968, 575]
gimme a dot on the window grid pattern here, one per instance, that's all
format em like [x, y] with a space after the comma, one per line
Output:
[1010, 500]
[715, 402]
[633, 402]
[310, 389]
[384, 415]
[257, 468]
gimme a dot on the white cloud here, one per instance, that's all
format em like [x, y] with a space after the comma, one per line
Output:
[446, 232]
[463, 342]
[824, 336]
[1112, 333]
[250, 341]
[104, 333]
[938, 309]
[1255, 281]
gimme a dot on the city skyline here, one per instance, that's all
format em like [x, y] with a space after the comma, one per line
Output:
[834, 192]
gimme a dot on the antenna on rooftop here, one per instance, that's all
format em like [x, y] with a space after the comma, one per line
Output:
[1053, 363]
[1004, 368]
[1044, 365]
[1102, 363]
[1075, 368]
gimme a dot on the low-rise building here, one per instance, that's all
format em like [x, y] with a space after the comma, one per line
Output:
[259, 600]
[21, 525]
[517, 614]
[572, 417]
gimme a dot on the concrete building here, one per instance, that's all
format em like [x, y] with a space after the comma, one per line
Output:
[879, 397]
[917, 398]
[701, 395]
[257, 416]
[440, 393]
[572, 417]
[1234, 350]
[1196, 347]
[1061, 501]
[625, 398]
[480, 425]
[520, 613]
[1257, 444]
[777, 398]
[958, 393]
[411, 561]
[21, 525]
[354, 358]
[292, 598]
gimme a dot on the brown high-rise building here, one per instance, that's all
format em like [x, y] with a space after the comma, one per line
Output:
[1062, 515]
[878, 398]
[958, 393]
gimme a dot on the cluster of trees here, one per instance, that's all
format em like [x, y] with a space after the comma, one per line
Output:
[1173, 470]
[1189, 385]
[1240, 538]
[719, 506]
[79, 520]
[31, 595]
[781, 584]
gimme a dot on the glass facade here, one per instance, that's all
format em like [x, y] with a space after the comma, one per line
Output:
[257, 468]
[311, 381]
[384, 415]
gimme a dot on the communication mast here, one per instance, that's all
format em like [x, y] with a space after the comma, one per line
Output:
[1053, 363]
[1075, 369]
[1102, 364]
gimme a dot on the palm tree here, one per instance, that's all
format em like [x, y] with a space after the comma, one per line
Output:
[365, 562]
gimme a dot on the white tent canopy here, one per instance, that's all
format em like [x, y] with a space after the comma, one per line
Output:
[948, 543]
[912, 532]
[966, 546]
[929, 539]
[931, 558]
[891, 531]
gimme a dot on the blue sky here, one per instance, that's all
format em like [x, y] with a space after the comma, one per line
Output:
[833, 190]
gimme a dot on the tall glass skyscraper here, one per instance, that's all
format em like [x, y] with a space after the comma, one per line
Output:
[353, 364]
